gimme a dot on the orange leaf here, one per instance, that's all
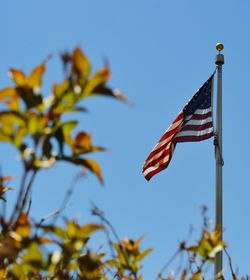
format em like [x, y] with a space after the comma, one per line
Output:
[94, 167]
[83, 140]
[23, 226]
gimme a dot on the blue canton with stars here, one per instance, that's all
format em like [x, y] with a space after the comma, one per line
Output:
[201, 100]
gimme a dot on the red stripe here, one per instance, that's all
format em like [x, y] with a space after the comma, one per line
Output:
[194, 127]
[160, 168]
[158, 150]
[193, 138]
[164, 153]
[169, 133]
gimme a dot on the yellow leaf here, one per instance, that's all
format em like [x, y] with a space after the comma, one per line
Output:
[17, 76]
[9, 96]
[60, 89]
[196, 276]
[33, 123]
[35, 78]
[23, 226]
[81, 64]
[94, 167]
[67, 129]
[88, 229]
[99, 78]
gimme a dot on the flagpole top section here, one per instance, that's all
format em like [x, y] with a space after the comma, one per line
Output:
[219, 59]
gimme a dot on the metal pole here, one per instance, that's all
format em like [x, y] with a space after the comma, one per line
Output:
[219, 61]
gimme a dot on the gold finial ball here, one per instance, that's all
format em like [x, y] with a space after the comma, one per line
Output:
[219, 47]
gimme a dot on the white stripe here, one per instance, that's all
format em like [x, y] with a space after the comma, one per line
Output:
[199, 122]
[194, 133]
[173, 125]
[150, 169]
[198, 112]
[158, 154]
[163, 142]
[203, 111]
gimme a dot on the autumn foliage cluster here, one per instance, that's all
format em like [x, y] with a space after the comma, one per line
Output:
[35, 124]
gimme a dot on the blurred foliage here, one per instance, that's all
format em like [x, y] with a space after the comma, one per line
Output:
[44, 131]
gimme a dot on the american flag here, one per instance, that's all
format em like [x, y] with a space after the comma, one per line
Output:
[194, 123]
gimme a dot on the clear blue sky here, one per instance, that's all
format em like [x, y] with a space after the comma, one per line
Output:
[160, 52]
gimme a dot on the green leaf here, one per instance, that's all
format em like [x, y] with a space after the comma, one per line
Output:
[88, 229]
[143, 254]
[33, 255]
[67, 128]
[9, 121]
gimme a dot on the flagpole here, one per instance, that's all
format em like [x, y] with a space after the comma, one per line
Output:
[219, 61]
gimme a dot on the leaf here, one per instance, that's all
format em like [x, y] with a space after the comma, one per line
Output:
[196, 276]
[94, 167]
[89, 164]
[10, 97]
[10, 121]
[105, 91]
[208, 245]
[23, 227]
[33, 123]
[34, 80]
[60, 89]
[67, 128]
[88, 229]
[20, 133]
[143, 254]
[33, 253]
[17, 76]
[55, 230]
[98, 80]
[83, 142]
[81, 64]
[89, 263]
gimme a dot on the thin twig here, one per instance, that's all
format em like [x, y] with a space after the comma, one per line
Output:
[19, 196]
[168, 263]
[26, 195]
[97, 212]
[67, 196]
[230, 264]
[48, 216]
[29, 206]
